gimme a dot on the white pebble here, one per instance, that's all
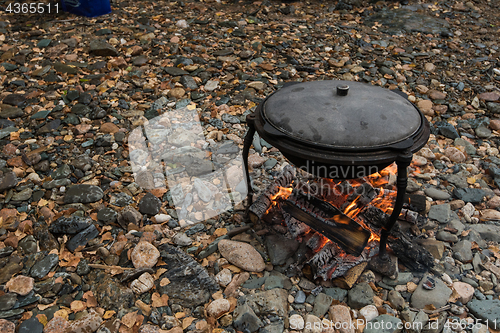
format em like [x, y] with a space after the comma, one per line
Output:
[224, 277]
[296, 322]
[62, 189]
[114, 146]
[160, 218]
[369, 312]
[182, 24]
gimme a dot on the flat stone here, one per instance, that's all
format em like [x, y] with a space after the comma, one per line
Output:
[438, 296]
[182, 239]
[322, 303]
[218, 307]
[369, 312]
[246, 319]
[56, 325]
[21, 285]
[435, 247]
[83, 194]
[7, 302]
[41, 268]
[82, 238]
[129, 215]
[242, 255]
[63, 68]
[102, 48]
[440, 213]
[463, 251]
[109, 292]
[202, 189]
[270, 302]
[436, 194]
[486, 310]
[472, 195]
[11, 112]
[70, 225]
[403, 278]
[360, 295]
[149, 204]
[31, 325]
[175, 71]
[8, 179]
[384, 324]
[190, 284]
[14, 100]
[488, 232]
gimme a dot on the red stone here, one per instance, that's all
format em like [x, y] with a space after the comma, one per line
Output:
[490, 96]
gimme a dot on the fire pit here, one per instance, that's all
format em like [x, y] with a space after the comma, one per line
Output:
[340, 130]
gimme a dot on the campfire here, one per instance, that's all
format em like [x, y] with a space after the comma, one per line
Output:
[340, 221]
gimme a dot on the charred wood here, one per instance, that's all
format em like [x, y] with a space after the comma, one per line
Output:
[409, 253]
[265, 199]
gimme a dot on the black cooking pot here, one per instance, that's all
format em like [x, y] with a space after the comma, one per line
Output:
[340, 129]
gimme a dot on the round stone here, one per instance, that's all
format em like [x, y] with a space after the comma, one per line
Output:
[144, 255]
[218, 307]
[56, 325]
[7, 326]
[242, 255]
[296, 322]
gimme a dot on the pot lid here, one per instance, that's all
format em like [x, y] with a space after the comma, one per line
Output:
[327, 113]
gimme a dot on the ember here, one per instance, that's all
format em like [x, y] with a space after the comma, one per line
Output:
[340, 221]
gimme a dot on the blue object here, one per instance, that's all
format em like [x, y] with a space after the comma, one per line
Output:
[89, 8]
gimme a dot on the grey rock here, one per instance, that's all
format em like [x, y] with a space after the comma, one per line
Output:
[7, 301]
[440, 213]
[338, 294]
[82, 238]
[300, 297]
[488, 232]
[182, 239]
[458, 179]
[403, 278]
[270, 302]
[203, 191]
[412, 186]
[28, 245]
[56, 183]
[438, 296]
[360, 295]
[14, 100]
[175, 71]
[277, 280]
[280, 248]
[472, 195]
[246, 319]
[446, 236]
[110, 293]
[63, 68]
[70, 225]
[149, 204]
[462, 251]
[188, 82]
[44, 266]
[31, 325]
[322, 303]
[62, 172]
[383, 324]
[83, 194]
[23, 195]
[8, 271]
[8, 179]
[396, 300]
[190, 284]
[482, 132]
[276, 327]
[107, 215]
[469, 147]
[486, 310]
[493, 107]
[120, 199]
[100, 47]
[80, 109]
[436, 194]
[129, 215]
[11, 112]
[7, 130]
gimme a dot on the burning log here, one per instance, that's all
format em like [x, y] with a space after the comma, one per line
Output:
[329, 221]
[265, 199]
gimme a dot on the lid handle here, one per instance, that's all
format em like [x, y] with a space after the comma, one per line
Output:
[343, 90]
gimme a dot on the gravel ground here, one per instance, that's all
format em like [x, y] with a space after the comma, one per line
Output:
[87, 247]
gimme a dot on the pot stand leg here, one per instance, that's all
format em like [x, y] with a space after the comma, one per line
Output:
[247, 142]
[383, 263]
